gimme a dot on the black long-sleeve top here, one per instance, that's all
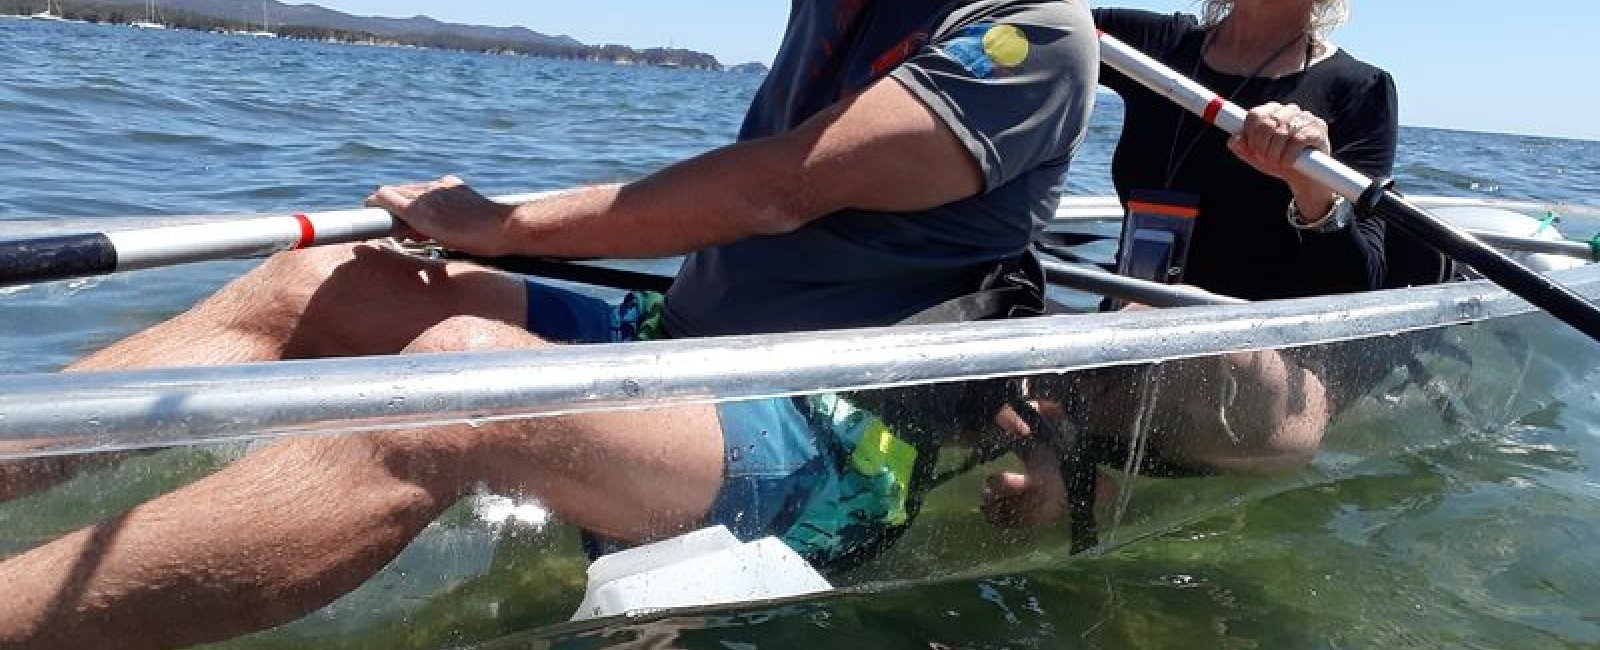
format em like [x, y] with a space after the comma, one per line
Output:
[1243, 244]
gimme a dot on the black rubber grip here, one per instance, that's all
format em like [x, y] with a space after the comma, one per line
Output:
[598, 276]
[55, 258]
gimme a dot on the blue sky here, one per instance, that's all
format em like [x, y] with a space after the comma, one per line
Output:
[1482, 65]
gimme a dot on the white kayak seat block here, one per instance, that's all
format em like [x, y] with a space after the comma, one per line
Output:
[1508, 222]
[705, 567]
[499, 511]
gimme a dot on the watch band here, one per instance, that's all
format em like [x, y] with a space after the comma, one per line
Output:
[1337, 218]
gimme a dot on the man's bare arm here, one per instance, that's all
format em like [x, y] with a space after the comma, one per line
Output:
[881, 150]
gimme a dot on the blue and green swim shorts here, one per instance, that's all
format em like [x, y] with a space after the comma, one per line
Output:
[784, 472]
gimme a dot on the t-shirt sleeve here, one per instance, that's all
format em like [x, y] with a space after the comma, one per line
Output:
[1014, 81]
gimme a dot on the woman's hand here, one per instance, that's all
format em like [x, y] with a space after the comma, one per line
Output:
[1271, 140]
[1029, 500]
[1037, 497]
[449, 212]
[1274, 135]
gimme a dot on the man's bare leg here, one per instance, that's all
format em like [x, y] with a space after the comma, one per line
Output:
[294, 526]
[328, 301]
[1263, 414]
[323, 302]
[1249, 412]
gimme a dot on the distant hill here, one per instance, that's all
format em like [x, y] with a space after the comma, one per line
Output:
[754, 67]
[314, 22]
[310, 15]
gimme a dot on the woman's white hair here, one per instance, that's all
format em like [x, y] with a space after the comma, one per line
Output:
[1327, 15]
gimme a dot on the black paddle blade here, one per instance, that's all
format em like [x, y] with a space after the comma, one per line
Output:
[1542, 292]
[56, 258]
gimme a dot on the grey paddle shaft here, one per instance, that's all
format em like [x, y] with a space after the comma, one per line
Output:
[1144, 292]
[1224, 114]
[1563, 247]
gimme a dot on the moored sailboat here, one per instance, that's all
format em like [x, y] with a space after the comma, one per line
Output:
[150, 21]
[47, 14]
[266, 26]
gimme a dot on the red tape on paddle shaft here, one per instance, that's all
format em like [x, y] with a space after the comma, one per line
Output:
[308, 232]
[1214, 108]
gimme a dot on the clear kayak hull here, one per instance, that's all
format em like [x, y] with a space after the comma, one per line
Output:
[1414, 369]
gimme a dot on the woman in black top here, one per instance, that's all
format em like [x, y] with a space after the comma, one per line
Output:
[1250, 240]
[1263, 231]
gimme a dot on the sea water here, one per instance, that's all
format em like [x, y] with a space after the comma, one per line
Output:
[1483, 542]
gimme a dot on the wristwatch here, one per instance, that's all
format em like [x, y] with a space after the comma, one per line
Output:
[1337, 218]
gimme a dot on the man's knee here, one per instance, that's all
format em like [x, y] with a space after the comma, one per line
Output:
[273, 297]
[309, 265]
[413, 471]
[1255, 445]
[367, 300]
[462, 333]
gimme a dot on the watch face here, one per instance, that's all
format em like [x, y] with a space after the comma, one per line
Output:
[1340, 216]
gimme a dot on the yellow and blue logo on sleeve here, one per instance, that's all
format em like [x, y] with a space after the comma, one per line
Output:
[985, 48]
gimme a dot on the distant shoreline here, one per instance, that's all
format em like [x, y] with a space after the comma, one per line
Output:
[120, 14]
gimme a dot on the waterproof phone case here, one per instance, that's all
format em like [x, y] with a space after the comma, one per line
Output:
[1155, 235]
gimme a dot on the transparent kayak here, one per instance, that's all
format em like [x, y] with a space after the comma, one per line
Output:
[1411, 368]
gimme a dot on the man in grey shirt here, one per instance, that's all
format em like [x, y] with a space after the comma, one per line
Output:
[899, 150]
[858, 265]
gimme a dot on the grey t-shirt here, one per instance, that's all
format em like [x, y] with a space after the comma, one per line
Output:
[1013, 79]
